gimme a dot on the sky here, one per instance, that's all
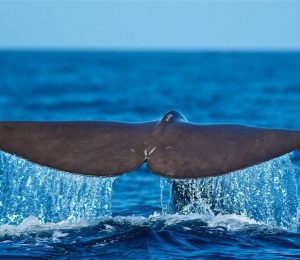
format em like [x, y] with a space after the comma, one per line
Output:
[144, 24]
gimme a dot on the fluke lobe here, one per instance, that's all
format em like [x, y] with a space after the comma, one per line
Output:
[172, 147]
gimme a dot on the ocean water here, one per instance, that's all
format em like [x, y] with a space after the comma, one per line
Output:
[248, 214]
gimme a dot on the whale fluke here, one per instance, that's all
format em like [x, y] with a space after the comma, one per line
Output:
[91, 148]
[172, 147]
[184, 150]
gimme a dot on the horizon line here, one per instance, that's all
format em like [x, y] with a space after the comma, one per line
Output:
[151, 49]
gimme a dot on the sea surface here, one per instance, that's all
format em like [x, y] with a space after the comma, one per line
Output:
[248, 214]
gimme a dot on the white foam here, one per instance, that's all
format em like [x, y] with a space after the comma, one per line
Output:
[61, 230]
[232, 221]
[33, 225]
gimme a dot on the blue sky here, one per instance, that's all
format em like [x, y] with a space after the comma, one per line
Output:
[150, 25]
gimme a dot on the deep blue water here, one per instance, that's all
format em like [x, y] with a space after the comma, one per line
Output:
[50, 214]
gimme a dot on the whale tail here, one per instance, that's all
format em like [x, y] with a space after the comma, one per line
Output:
[172, 147]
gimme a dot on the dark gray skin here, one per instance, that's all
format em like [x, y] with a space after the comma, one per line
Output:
[90, 148]
[185, 150]
[172, 147]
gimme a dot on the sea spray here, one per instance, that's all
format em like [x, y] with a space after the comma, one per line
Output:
[267, 193]
[31, 190]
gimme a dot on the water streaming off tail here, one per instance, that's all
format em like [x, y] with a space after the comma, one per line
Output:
[28, 189]
[267, 192]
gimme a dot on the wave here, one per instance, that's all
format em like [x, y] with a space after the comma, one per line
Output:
[157, 222]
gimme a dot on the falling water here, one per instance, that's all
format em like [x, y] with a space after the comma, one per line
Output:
[267, 193]
[30, 190]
